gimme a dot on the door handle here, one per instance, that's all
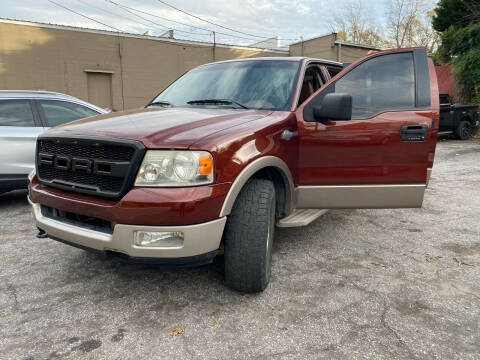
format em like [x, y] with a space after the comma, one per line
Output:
[287, 134]
[414, 132]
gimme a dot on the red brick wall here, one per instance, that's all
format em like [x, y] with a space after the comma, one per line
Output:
[446, 83]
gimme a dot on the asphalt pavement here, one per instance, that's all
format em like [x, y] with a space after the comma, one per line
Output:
[355, 284]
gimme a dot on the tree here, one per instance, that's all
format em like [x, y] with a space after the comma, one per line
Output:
[410, 24]
[401, 14]
[455, 13]
[458, 21]
[352, 23]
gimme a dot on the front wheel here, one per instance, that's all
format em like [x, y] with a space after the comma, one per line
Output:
[463, 130]
[249, 236]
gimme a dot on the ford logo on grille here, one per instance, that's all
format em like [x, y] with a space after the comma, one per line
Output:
[71, 163]
[101, 167]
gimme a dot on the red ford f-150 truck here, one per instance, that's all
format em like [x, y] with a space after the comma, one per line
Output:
[232, 149]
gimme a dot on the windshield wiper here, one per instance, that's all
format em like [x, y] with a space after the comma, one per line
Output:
[216, 101]
[159, 103]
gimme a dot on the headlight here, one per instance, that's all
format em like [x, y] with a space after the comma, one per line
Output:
[175, 168]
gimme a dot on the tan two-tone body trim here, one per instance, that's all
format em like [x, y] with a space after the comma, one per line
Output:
[198, 239]
[429, 174]
[359, 196]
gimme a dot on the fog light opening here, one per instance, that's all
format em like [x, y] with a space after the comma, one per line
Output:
[163, 239]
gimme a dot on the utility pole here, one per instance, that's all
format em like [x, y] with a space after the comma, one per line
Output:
[214, 43]
[301, 39]
[120, 56]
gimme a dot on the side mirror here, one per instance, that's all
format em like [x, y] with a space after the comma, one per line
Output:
[335, 106]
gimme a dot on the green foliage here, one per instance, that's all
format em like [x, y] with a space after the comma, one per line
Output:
[451, 13]
[457, 20]
[456, 41]
[466, 69]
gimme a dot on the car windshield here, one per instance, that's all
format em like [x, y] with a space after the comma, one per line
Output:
[256, 84]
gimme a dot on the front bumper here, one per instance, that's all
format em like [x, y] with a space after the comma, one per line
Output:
[146, 206]
[199, 239]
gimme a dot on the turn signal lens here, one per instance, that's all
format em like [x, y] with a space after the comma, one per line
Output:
[205, 164]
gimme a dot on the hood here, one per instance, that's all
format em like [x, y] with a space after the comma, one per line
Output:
[160, 128]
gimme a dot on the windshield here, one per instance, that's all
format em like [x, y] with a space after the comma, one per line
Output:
[256, 84]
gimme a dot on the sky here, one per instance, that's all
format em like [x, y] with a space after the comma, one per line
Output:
[255, 19]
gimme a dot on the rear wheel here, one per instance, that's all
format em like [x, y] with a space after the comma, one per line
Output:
[463, 130]
[249, 236]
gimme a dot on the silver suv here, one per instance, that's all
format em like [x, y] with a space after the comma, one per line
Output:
[24, 114]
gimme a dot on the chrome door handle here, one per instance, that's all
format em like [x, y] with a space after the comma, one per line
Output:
[287, 134]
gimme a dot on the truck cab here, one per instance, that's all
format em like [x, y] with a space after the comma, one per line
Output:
[233, 149]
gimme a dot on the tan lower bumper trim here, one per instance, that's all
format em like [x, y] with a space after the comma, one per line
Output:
[198, 239]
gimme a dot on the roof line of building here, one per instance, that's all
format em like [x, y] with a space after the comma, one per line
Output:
[337, 42]
[138, 36]
[345, 43]
[312, 38]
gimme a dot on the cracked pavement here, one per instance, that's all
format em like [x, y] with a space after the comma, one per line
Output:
[355, 284]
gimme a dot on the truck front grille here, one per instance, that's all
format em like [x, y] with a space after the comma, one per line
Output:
[102, 167]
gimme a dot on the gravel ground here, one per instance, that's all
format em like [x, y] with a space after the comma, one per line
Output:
[356, 284]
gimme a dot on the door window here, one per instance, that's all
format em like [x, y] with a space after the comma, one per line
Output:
[383, 83]
[311, 83]
[16, 113]
[60, 112]
[334, 70]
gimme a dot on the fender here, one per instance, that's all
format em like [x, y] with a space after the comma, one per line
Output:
[249, 171]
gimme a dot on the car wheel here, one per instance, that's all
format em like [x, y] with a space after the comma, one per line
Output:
[463, 130]
[248, 239]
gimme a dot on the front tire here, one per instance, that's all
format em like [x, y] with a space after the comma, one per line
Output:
[463, 131]
[249, 236]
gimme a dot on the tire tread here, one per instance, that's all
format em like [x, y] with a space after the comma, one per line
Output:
[245, 244]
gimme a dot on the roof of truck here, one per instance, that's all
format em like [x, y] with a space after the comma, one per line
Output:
[283, 58]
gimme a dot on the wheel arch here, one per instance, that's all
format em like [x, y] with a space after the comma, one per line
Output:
[467, 117]
[266, 167]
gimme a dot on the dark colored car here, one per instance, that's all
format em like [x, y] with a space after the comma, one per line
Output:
[457, 119]
[232, 149]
